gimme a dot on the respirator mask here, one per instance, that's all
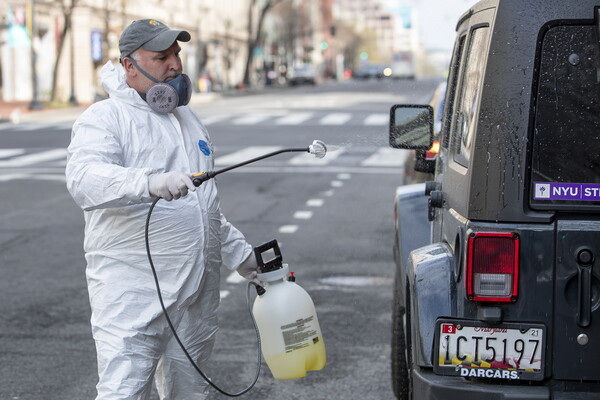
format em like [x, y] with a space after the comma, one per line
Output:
[164, 97]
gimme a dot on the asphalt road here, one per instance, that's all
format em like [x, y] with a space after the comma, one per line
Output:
[333, 221]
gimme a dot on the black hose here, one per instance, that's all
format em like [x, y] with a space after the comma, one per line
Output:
[201, 178]
[162, 304]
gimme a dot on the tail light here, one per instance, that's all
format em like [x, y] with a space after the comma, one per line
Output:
[492, 266]
[433, 151]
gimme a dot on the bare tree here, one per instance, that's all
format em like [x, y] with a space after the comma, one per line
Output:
[66, 7]
[260, 7]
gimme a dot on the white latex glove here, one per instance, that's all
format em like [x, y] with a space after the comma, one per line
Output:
[170, 185]
[249, 268]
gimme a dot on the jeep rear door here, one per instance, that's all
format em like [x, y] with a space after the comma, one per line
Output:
[565, 181]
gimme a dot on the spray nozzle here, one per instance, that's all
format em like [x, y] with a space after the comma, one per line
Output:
[317, 148]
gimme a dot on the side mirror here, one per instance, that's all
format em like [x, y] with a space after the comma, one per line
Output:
[411, 126]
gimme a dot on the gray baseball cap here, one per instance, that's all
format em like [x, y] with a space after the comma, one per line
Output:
[149, 34]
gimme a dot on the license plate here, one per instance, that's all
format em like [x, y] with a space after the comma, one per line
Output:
[473, 349]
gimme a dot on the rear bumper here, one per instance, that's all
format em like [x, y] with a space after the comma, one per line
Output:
[428, 386]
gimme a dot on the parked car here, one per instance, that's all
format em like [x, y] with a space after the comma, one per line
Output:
[499, 297]
[375, 71]
[303, 75]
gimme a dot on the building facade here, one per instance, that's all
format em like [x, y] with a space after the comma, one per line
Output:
[33, 37]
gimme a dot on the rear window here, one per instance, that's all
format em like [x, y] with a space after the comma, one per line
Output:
[565, 169]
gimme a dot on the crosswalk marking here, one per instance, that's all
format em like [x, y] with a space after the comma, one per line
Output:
[245, 154]
[49, 164]
[250, 119]
[35, 158]
[5, 153]
[385, 156]
[31, 126]
[377, 119]
[214, 119]
[335, 119]
[293, 119]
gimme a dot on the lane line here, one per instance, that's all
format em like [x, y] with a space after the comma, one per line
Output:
[303, 214]
[315, 203]
[288, 228]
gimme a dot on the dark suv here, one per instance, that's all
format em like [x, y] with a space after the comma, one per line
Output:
[498, 297]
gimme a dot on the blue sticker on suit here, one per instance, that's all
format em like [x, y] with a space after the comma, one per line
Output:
[204, 147]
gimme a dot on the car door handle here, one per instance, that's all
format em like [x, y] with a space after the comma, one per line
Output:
[584, 288]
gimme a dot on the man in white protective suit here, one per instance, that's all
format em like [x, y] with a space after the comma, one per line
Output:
[125, 151]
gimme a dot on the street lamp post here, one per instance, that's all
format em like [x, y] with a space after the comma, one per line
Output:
[35, 103]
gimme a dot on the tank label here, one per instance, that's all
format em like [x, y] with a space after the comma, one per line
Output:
[299, 334]
[566, 191]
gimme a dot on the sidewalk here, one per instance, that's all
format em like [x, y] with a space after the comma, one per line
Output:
[18, 111]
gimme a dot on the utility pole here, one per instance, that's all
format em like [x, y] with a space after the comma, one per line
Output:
[35, 103]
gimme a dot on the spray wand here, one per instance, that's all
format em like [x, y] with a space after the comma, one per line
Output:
[317, 148]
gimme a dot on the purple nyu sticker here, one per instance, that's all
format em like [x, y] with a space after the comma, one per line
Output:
[566, 191]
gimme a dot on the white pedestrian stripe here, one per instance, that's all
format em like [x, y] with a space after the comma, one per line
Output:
[33, 127]
[35, 158]
[335, 119]
[214, 119]
[290, 118]
[6, 153]
[50, 164]
[250, 119]
[245, 154]
[377, 119]
[293, 119]
[385, 156]
[310, 159]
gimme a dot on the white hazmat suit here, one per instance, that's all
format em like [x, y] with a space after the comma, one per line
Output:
[116, 145]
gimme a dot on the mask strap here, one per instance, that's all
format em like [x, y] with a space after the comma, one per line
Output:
[147, 75]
